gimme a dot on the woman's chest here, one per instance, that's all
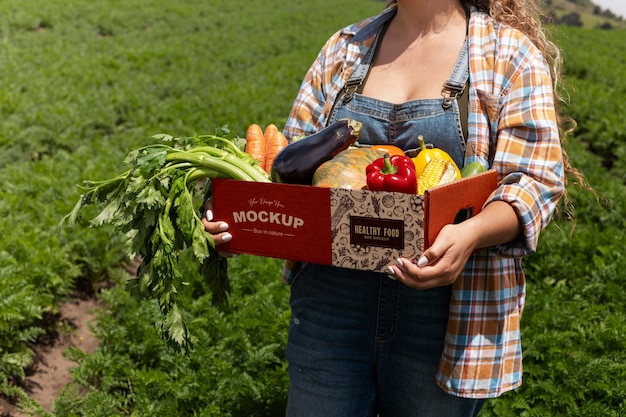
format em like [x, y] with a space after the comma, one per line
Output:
[400, 73]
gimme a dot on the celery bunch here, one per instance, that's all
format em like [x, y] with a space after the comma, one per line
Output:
[157, 204]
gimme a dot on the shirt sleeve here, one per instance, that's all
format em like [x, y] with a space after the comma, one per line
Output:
[528, 154]
[305, 112]
[316, 89]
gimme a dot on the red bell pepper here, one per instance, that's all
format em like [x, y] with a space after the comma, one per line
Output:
[392, 173]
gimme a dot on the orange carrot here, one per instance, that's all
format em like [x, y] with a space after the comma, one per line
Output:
[256, 144]
[270, 131]
[276, 142]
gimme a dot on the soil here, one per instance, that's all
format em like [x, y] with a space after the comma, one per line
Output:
[51, 370]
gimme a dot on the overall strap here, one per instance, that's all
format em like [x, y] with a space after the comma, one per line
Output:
[456, 87]
[356, 82]
[453, 88]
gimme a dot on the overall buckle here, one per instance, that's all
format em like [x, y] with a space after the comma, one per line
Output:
[350, 88]
[451, 91]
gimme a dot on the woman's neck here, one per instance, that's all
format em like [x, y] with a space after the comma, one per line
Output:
[419, 18]
[418, 51]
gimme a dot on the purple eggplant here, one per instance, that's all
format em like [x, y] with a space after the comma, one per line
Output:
[297, 162]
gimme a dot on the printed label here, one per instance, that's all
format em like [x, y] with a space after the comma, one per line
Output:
[277, 220]
[368, 231]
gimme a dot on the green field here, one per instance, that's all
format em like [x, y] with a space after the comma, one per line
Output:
[84, 82]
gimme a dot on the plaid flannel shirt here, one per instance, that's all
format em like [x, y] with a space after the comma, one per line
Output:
[512, 128]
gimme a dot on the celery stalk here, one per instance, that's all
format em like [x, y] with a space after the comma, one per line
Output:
[152, 204]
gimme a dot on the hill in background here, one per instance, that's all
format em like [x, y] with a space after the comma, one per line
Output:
[582, 13]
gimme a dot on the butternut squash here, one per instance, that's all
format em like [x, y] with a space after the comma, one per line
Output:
[346, 169]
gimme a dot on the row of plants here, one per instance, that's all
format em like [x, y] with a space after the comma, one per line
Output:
[594, 67]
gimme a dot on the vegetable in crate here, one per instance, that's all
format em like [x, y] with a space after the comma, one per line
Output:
[156, 204]
[427, 153]
[256, 144]
[297, 163]
[437, 172]
[347, 169]
[392, 173]
[263, 146]
[390, 149]
[433, 166]
[472, 168]
[276, 142]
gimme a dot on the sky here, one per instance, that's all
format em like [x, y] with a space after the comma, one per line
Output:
[618, 7]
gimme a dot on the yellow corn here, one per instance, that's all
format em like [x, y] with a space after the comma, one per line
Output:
[436, 172]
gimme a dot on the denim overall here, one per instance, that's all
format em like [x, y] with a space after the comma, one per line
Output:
[437, 120]
[362, 344]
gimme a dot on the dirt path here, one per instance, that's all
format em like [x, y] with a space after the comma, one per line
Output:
[52, 370]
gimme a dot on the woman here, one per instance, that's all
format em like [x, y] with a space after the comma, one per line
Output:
[438, 337]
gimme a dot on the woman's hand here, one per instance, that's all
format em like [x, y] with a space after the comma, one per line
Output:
[443, 262]
[219, 230]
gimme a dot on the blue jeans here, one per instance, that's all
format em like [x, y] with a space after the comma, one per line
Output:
[361, 344]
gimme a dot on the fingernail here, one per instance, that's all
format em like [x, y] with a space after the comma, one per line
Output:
[399, 262]
[226, 237]
[223, 226]
[209, 215]
[423, 261]
[391, 273]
